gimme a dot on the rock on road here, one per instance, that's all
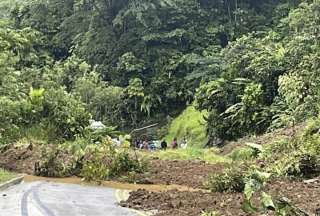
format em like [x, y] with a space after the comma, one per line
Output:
[57, 199]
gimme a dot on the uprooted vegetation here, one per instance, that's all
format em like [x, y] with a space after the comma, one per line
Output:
[92, 161]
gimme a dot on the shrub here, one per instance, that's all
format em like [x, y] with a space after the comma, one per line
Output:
[232, 180]
[95, 169]
[11, 118]
[54, 163]
[65, 112]
[104, 161]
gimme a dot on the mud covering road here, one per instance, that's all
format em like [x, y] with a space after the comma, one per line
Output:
[302, 195]
[187, 173]
[57, 199]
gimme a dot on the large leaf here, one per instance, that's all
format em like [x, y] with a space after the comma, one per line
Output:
[267, 201]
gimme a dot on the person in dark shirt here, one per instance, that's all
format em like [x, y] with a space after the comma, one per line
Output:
[164, 145]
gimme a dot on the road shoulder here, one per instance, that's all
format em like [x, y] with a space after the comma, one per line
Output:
[11, 182]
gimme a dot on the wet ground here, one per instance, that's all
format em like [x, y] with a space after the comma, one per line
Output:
[110, 184]
[43, 198]
[300, 194]
[191, 174]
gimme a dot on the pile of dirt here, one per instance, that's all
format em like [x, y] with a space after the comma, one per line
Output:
[188, 173]
[35, 159]
[304, 196]
[185, 203]
[19, 158]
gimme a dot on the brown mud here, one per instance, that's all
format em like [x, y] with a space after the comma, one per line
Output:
[188, 173]
[20, 159]
[110, 184]
[186, 203]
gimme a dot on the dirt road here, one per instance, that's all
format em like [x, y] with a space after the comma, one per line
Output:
[57, 199]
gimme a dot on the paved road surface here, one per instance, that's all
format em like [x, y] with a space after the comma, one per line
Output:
[56, 199]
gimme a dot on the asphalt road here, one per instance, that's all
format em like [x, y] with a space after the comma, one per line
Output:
[57, 199]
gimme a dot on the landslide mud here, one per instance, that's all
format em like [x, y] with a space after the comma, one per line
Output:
[188, 173]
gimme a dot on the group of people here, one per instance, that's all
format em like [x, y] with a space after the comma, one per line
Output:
[153, 145]
[146, 145]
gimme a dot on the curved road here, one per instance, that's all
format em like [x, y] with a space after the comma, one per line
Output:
[56, 199]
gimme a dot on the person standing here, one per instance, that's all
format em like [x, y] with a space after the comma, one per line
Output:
[175, 143]
[164, 145]
[145, 145]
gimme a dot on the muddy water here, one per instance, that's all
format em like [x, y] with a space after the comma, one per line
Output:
[109, 184]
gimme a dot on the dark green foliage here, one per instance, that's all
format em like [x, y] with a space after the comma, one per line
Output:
[253, 65]
[65, 112]
[266, 82]
[169, 45]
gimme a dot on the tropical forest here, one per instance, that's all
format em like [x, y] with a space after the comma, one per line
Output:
[159, 107]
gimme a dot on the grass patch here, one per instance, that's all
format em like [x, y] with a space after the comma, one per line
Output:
[191, 125]
[6, 176]
[208, 155]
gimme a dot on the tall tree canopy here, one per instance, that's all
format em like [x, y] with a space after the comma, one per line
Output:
[251, 64]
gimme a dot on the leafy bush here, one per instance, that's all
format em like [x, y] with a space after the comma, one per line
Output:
[231, 180]
[54, 162]
[11, 113]
[123, 163]
[65, 112]
[104, 161]
[96, 168]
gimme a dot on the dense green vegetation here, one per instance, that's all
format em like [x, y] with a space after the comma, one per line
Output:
[252, 65]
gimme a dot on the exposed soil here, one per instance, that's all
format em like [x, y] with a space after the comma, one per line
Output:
[262, 139]
[183, 203]
[19, 158]
[176, 203]
[28, 158]
[187, 173]
[302, 195]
